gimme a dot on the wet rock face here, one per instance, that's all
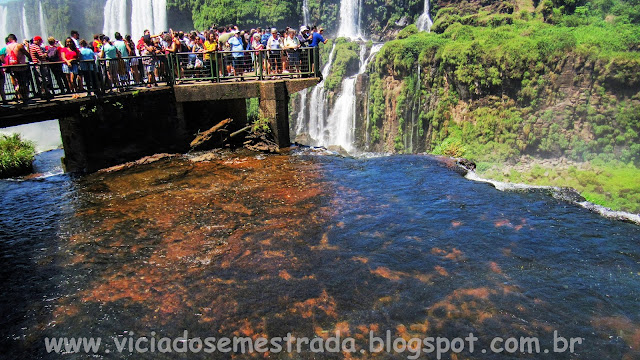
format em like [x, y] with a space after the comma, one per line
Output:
[466, 164]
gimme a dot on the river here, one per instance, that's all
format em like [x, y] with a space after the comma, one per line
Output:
[225, 244]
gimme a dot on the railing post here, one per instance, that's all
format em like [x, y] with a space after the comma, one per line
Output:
[261, 63]
[316, 61]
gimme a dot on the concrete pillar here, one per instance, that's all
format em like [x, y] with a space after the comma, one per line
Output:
[274, 106]
[73, 141]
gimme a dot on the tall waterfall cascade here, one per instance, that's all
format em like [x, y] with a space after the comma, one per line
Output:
[159, 15]
[115, 17]
[143, 15]
[43, 24]
[341, 123]
[306, 16]
[336, 126]
[317, 105]
[424, 21]
[26, 32]
[3, 20]
[350, 19]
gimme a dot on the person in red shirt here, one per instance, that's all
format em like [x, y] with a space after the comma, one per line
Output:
[70, 55]
[97, 43]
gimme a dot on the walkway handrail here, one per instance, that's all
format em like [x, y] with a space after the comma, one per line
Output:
[100, 76]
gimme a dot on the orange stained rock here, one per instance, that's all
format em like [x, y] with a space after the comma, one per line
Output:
[324, 244]
[342, 329]
[420, 327]
[66, 310]
[424, 278]
[388, 273]
[321, 332]
[621, 326]
[309, 307]
[481, 293]
[454, 254]
[509, 224]
[495, 268]
[442, 271]
[284, 275]
[361, 259]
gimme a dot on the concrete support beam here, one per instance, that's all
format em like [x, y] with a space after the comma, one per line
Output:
[274, 106]
[73, 141]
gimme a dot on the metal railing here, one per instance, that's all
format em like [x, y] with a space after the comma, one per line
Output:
[48, 80]
[245, 65]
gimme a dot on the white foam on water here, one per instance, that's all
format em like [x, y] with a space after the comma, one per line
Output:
[557, 192]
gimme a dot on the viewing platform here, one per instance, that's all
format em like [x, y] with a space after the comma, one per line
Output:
[127, 115]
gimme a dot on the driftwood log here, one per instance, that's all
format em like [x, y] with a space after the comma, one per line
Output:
[215, 137]
[219, 136]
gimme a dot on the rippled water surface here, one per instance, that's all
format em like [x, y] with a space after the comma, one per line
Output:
[239, 244]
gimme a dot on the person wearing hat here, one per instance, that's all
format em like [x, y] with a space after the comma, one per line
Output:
[292, 46]
[303, 38]
[40, 73]
[238, 55]
[275, 48]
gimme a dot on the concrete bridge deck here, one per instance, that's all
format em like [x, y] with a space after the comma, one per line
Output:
[102, 131]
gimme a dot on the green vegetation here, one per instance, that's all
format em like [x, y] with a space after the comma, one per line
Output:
[450, 147]
[377, 15]
[498, 82]
[253, 109]
[346, 61]
[16, 155]
[508, 77]
[246, 13]
[611, 184]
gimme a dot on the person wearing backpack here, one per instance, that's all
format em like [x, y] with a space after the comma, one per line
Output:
[17, 56]
[52, 52]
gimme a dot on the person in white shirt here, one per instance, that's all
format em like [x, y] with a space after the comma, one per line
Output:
[274, 46]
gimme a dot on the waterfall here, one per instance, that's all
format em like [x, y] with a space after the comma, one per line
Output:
[115, 17]
[141, 17]
[159, 16]
[341, 122]
[26, 33]
[301, 113]
[306, 17]
[340, 129]
[43, 25]
[3, 21]
[148, 14]
[424, 21]
[317, 110]
[350, 19]
[374, 50]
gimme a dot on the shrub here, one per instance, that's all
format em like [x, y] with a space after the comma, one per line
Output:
[450, 147]
[16, 155]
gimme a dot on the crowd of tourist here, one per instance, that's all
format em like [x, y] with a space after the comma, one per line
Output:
[76, 66]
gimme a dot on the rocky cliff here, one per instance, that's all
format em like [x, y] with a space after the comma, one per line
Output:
[502, 85]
